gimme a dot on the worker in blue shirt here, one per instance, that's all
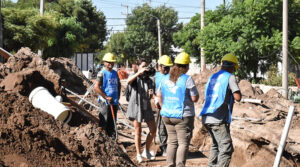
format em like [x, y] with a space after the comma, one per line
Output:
[177, 94]
[165, 63]
[220, 92]
[108, 87]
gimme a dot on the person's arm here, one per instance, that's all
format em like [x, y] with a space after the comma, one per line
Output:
[235, 88]
[133, 77]
[98, 89]
[237, 96]
[159, 96]
[191, 86]
[195, 98]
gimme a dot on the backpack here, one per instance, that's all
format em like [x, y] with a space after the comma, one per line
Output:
[129, 88]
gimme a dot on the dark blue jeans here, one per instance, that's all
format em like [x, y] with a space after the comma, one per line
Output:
[221, 148]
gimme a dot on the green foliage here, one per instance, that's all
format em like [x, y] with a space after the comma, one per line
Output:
[7, 3]
[117, 45]
[26, 28]
[276, 80]
[67, 37]
[66, 26]
[92, 21]
[186, 38]
[141, 35]
[251, 29]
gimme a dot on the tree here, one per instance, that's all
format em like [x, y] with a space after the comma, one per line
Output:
[186, 37]
[91, 20]
[141, 32]
[250, 29]
[25, 27]
[66, 26]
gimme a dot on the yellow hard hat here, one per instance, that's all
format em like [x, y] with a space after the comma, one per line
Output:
[109, 57]
[165, 60]
[183, 58]
[231, 58]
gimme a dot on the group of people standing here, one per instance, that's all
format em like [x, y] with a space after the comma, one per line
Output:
[174, 93]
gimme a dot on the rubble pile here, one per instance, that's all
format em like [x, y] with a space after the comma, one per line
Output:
[31, 137]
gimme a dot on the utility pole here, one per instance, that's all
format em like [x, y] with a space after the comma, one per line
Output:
[203, 64]
[1, 32]
[159, 39]
[40, 51]
[126, 6]
[285, 49]
[1, 26]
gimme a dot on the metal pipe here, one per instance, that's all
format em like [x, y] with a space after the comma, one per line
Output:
[81, 98]
[87, 92]
[246, 118]
[283, 136]
[258, 101]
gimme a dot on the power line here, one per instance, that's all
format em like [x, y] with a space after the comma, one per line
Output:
[120, 18]
[117, 25]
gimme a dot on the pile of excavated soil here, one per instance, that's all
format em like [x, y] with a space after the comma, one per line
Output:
[256, 128]
[31, 137]
[49, 73]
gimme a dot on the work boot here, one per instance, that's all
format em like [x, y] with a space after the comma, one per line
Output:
[146, 154]
[139, 158]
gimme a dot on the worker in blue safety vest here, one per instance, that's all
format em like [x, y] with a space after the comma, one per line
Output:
[108, 87]
[220, 92]
[165, 63]
[177, 94]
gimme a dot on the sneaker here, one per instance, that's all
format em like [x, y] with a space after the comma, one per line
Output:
[148, 155]
[139, 158]
[164, 154]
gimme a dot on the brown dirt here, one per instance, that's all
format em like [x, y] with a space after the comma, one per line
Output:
[31, 137]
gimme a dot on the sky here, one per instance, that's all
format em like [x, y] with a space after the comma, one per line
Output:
[115, 10]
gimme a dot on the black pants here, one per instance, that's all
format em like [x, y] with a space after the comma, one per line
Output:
[106, 120]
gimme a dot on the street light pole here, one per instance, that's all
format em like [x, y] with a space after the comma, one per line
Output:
[40, 51]
[285, 48]
[159, 39]
[1, 27]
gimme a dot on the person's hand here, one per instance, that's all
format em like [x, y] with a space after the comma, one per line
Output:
[109, 100]
[150, 92]
[142, 70]
[156, 103]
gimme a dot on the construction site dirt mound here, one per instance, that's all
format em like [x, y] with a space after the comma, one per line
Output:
[31, 137]
[54, 70]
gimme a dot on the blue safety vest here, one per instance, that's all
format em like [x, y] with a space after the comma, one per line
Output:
[173, 96]
[215, 92]
[158, 77]
[110, 85]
